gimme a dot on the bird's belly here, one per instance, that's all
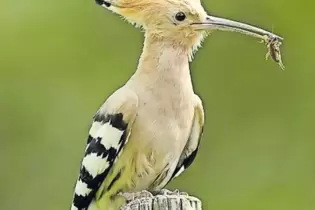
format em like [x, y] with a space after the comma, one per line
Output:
[157, 143]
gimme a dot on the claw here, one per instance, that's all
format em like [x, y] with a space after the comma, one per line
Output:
[136, 195]
[175, 192]
[166, 192]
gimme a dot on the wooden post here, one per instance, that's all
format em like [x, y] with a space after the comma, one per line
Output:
[166, 200]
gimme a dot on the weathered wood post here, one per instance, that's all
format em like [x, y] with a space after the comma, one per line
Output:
[165, 200]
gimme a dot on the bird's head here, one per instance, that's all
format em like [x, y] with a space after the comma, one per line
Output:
[165, 19]
[179, 21]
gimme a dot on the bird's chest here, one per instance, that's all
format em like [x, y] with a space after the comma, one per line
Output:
[164, 120]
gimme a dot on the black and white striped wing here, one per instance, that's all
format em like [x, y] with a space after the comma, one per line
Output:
[108, 134]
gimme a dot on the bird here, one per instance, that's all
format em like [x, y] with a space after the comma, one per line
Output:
[149, 130]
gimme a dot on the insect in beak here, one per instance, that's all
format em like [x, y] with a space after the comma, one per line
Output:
[272, 40]
[273, 45]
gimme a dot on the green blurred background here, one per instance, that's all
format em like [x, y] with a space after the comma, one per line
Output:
[60, 59]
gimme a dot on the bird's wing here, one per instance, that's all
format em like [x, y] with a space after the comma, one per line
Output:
[107, 136]
[190, 151]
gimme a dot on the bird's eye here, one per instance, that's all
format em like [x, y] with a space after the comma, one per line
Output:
[180, 16]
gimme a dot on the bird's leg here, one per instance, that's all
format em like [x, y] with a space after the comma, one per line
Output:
[136, 195]
[175, 192]
[168, 192]
[146, 194]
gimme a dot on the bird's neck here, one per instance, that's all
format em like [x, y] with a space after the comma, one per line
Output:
[165, 61]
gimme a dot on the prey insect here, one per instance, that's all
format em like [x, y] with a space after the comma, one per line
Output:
[273, 45]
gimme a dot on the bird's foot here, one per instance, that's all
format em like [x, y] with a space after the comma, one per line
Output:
[136, 195]
[175, 192]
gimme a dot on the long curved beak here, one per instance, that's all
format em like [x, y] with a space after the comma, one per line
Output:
[223, 24]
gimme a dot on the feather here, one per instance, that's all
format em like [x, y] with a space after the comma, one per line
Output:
[106, 138]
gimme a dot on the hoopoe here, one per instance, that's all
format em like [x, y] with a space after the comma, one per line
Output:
[149, 130]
